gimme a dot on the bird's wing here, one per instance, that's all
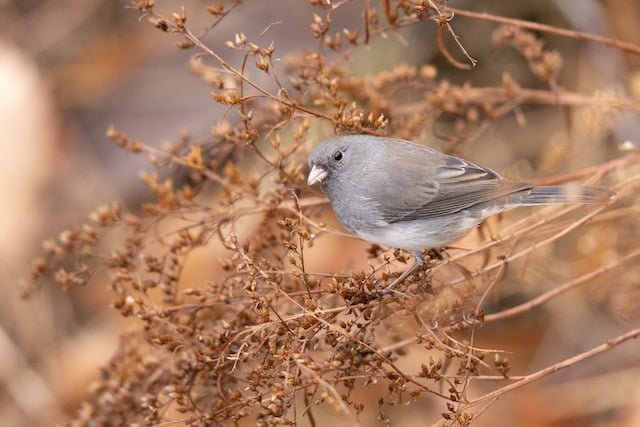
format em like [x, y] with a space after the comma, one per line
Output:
[450, 186]
[397, 190]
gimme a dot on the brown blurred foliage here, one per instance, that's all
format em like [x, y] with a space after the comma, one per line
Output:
[238, 297]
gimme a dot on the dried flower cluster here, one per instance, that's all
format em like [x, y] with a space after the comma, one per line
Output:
[269, 339]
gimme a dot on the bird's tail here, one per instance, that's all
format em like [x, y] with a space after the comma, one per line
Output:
[559, 194]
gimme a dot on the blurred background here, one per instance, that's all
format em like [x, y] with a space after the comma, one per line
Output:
[71, 68]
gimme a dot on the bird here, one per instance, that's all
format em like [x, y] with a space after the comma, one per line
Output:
[405, 195]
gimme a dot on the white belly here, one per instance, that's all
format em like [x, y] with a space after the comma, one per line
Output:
[421, 234]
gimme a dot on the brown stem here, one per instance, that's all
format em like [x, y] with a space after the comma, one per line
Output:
[544, 28]
[197, 42]
[634, 333]
[534, 97]
[541, 299]
[442, 47]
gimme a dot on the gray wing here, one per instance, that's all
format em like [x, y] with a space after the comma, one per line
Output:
[440, 186]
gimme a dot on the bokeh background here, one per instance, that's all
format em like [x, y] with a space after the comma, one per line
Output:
[71, 68]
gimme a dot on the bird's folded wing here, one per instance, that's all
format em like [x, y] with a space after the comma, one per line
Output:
[453, 185]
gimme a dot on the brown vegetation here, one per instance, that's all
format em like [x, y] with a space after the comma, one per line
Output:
[278, 336]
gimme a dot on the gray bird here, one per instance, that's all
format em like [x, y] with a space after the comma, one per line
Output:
[405, 195]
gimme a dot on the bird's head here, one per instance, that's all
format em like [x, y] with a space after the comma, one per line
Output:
[330, 158]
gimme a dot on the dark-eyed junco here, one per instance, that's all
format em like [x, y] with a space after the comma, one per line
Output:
[404, 195]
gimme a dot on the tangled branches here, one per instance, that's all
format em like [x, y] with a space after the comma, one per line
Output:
[270, 337]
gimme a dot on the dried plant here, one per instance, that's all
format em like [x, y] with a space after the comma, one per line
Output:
[270, 339]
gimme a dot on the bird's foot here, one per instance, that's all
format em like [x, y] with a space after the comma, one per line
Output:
[419, 261]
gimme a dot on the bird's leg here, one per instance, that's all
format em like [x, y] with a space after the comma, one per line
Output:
[418, 261]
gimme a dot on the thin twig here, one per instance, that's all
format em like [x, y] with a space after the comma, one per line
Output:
[513, 311]
[446, 21]
[550, 29]
[611, 343]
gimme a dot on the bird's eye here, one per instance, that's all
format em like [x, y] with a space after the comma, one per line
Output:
[337, 156]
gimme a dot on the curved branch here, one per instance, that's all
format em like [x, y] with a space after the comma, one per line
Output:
[550, 29]
[541, 299]
[606, 346]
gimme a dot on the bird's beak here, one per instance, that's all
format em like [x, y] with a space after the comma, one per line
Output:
[317, 174]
